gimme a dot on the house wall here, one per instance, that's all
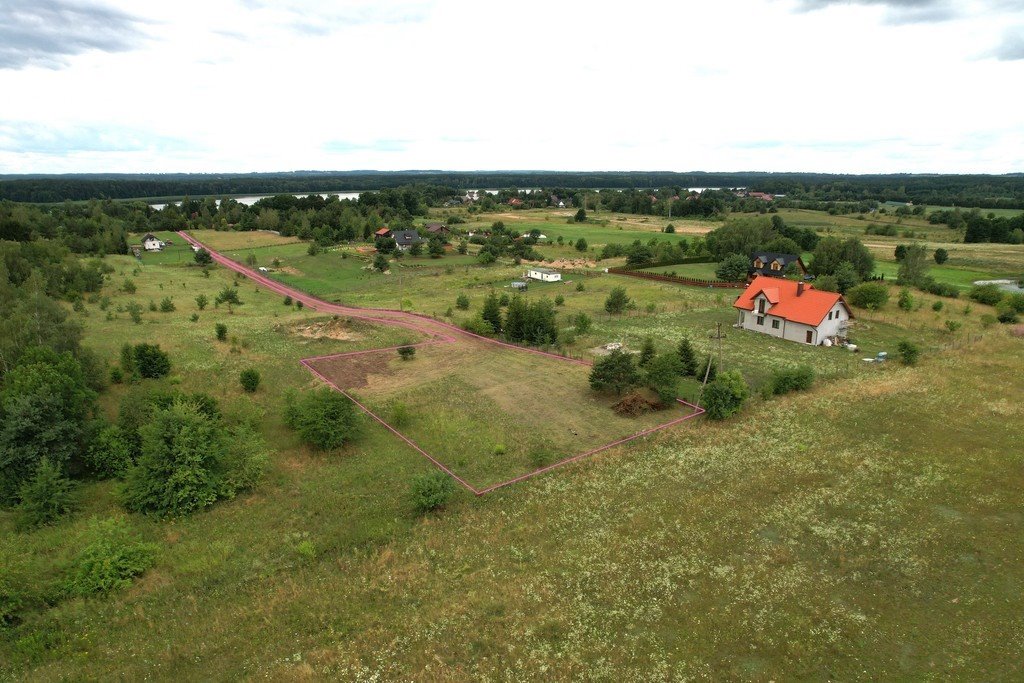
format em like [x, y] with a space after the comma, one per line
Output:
[545, 277]
[830, 328]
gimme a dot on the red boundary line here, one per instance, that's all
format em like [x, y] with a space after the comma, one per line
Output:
[320, 305]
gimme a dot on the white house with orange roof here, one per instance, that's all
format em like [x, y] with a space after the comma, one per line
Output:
[792, 310]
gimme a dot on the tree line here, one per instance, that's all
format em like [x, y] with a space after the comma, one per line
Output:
[986, 191]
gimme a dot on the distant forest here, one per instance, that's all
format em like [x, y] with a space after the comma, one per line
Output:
[984, 191]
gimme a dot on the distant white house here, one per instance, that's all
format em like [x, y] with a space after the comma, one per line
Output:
[544, 274]
[792, 311]
[152, 243]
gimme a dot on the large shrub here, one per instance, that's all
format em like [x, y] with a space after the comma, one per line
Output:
[431, 490]
[152, 363]
[45, 497]
[111, 560]
[109, 453]
[190, 457]
[909, 352]
[733, 268]
[990, 295]
[44, 407]
[793, 379]
[873, 295]
[725, 396]
[324, 418]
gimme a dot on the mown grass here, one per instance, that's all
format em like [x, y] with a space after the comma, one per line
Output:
[867, 529]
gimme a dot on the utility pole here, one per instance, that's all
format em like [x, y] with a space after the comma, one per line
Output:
[719, 336]
[707, 370]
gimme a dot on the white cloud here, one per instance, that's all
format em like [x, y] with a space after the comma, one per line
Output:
[221, 85]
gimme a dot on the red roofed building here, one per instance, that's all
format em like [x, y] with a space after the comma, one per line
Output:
[383, 232]
[792, 310]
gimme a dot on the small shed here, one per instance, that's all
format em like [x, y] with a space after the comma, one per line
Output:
[544, 274]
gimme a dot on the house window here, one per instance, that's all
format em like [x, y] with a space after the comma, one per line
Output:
[760, 305]
[742, 317]
[760, 320]
[810, 336]
[775, 265]
[758, 263]
[830, 315]
[775, 324]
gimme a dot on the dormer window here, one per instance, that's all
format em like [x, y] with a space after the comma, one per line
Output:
[775, 265]
[758, 263]
[760, 306]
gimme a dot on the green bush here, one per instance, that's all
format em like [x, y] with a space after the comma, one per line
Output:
[288, 300]
[406, 352]
[151, 362]
[873, 295]
[109, 453]
[793, 379]
[228, 295]
[990, 295]
[250, 379]
[1006, 313]
[937, 306]
[477, 325]
[431, 491]
[710, 367]
[662, 374]
[222, 331]
[905, 301]
[179, 465]
[462, 302]
[324, 418]
[725, 396]
[111, 560]
[582, 323]
[45, 497]
[909, 352]
[614, 373]
[559, 300]
[166, 305]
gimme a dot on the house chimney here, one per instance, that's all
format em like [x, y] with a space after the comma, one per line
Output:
[799, 288]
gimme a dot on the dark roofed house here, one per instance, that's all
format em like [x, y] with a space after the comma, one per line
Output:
[774, 265]
[437, 228]
[406, 238]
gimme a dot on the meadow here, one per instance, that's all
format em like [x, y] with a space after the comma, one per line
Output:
[489, 414]
[869, 528]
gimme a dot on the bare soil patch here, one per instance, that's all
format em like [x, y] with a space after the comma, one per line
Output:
[353, 372]
[327, 329]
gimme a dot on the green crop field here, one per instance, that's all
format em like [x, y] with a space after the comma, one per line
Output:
[867, 529]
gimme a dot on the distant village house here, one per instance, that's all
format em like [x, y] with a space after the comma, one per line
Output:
[152, 243]
[774, 265]
[406, 238]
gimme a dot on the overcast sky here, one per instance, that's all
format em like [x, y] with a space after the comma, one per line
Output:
[254, 85]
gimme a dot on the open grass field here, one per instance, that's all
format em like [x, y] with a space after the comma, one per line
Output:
[700, 271]
[869, 529]
[489, 414]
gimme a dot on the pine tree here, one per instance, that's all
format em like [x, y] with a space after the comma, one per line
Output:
[688, 357]
[492, 311]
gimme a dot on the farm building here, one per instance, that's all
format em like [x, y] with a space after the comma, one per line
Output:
[543, 274]
[152, 243]
[768, 263]
[792, 310]
[437, 229]
[406, 238]
[383, 233]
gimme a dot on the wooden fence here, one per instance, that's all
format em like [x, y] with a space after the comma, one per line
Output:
[675, 279]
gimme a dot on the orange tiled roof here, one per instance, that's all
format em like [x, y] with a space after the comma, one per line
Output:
[810, 308]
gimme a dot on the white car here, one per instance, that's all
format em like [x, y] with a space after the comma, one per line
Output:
[264, 269]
